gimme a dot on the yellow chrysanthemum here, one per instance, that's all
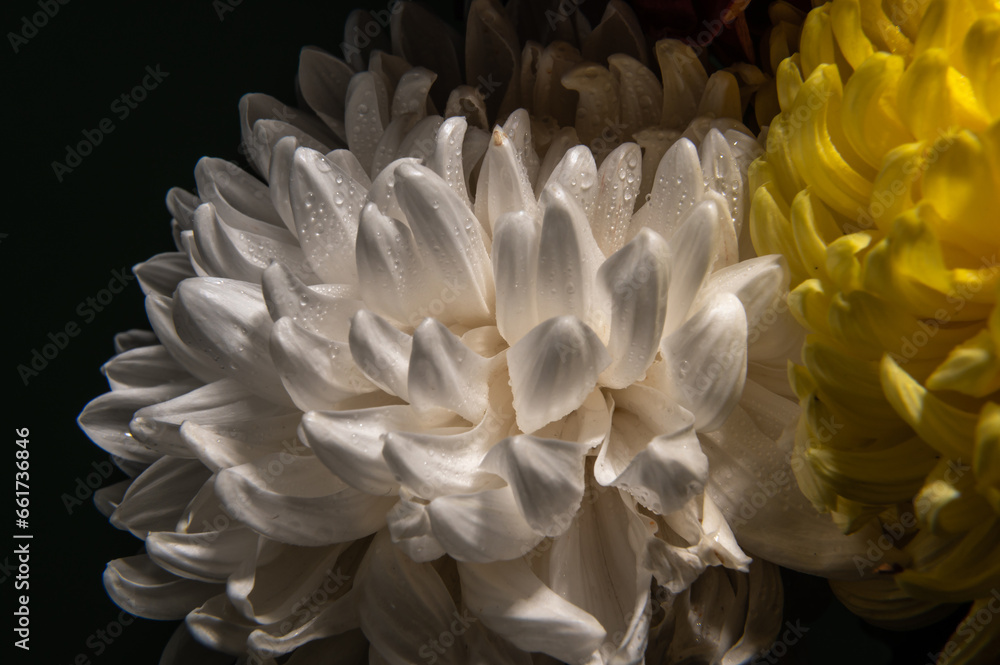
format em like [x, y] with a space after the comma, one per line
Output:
[881, 186]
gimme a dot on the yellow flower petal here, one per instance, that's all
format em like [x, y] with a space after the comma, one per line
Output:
[908, 268]
[945, 428]
[972, 368]
[813, 151]
[851, 388]
[883, 476]
[954, 568]
[934, 97]
[871, 121]
[948, 502]
[842, 263]
[771, 232]
[981, 50]
[845, 20]
[960, 186]
[817, 42]
[986, 463]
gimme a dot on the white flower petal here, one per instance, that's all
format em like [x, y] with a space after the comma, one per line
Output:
[568, 257]
[546, 477]
[684, 81]
[238, 197]
[325, 620]
[410, 527]
[550, 97]
[654, 141]
[346, 161]
[243, 254]
[754, 487]
[410, 95]
[593, 565]
[420, 608]
[576, 174]
[267, 587]
[481, 527]
[279, 179]
[598, 121]
[259, 111]
[209, 556]
[518, 128]
[447, 158]
[635, 279]
[553, 369]
[220, 446]
[366, 115]
[143, 367]
[108, 498]
[760, 283]
[267, 134]
[693, 253]
[316, 372]
[468, 102]
[381, 351]
[297, 501]
[227, 320]
[503, 185]
[640, 92]
[218, 625]
[515, 266]
[350, 443]
[721, 98]
[653, 451]
[390, 68]
[765, 598]
[224, 402]
[323, 80]
[563, 139]
[618, 181]
[431, 463]
[133, 339]
[181, 204]
[391, 270]
[140, 587]
[678, 186]
[324, 309]
[105, 419]
[447, 236]
[705, 360]
[161, 274]
[723, 175]
[419, 142]
[326, 204]
[510, 600]
[160, 312]
[156, 499]
[444, 373]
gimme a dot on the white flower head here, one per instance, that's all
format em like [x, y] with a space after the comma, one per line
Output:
[439, 392]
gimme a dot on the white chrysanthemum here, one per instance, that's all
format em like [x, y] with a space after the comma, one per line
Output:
[473, 427]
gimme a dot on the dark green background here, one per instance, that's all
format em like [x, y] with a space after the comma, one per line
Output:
[64, 240]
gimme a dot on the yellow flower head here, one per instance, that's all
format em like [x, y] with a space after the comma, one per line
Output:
[881, 186]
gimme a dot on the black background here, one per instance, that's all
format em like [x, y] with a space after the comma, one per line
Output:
[64, 240]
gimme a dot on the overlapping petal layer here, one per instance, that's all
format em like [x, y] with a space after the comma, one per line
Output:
[879, 186]
[467, 391]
